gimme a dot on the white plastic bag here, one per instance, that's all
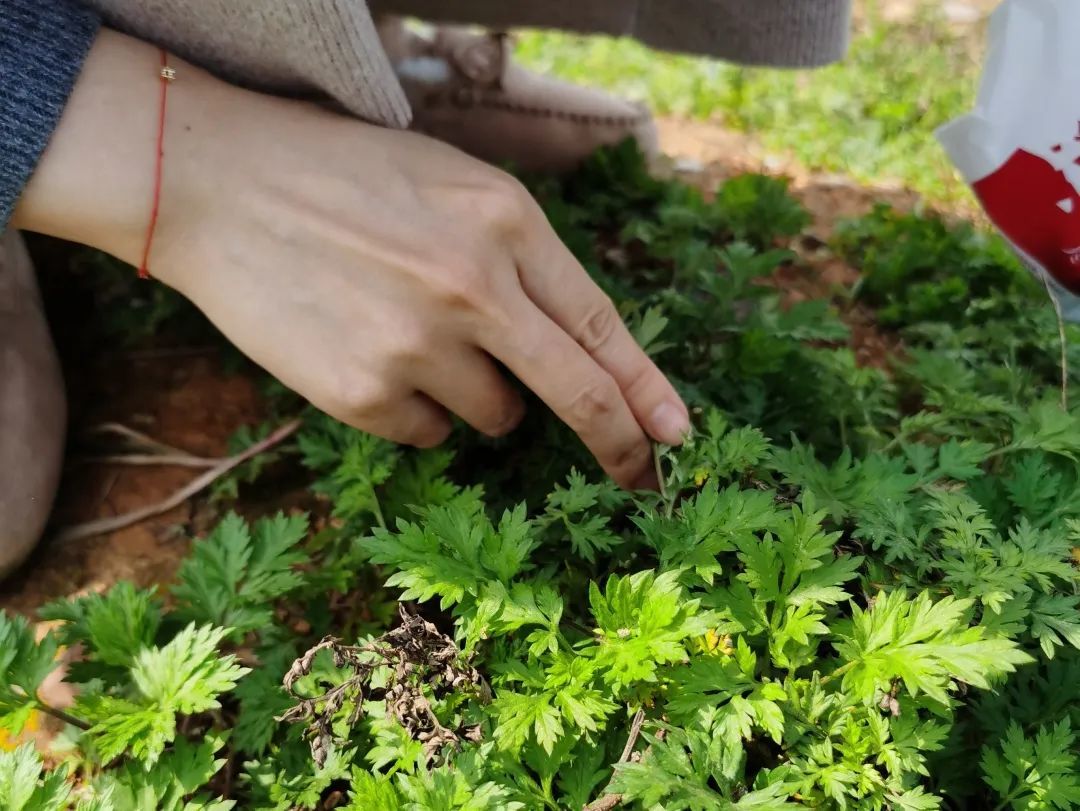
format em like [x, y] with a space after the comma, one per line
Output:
[1020, 148]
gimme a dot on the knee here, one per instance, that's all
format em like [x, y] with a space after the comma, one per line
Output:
[33, 416]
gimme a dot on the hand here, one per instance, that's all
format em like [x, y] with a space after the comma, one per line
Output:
[381, 274]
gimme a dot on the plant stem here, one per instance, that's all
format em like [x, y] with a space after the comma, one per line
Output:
[840, 671]
[1064, 340]
[561, 637]
[377, 510]
[60, 715]
[1014, 794]
[669, 502]
[609, 801]
[658, 465]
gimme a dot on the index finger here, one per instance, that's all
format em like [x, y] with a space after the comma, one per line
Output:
[580, 392]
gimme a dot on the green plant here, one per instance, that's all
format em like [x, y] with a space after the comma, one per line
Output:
[921, 268]
[856, 589]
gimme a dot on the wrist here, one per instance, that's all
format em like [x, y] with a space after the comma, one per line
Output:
[95, 182]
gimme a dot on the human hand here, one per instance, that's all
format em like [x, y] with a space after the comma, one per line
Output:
[379, 273]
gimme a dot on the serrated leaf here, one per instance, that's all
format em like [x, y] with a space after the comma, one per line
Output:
[962, 460]
[643, 621]
[189, 673]
[233, 576]
[23, 787]
[454, 552]
[684, 772]
[1039, 773]
[372, 793]
[24, 665]
[113, 627]
[524, 716]
[928, 646]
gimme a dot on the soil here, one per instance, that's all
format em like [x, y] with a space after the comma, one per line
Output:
[186, 402]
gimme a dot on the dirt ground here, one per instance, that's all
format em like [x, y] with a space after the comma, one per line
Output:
[187, 402]
[958, 12]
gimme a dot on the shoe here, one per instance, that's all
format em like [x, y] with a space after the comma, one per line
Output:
[33, 408]
[465, 90]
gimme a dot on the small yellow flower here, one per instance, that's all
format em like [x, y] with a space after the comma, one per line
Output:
[9, 744]
[701, 475]
[715, 644]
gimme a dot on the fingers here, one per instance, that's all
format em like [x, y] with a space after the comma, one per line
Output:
[559, 286]
[470, 385]
[547, 360]
[413, 419]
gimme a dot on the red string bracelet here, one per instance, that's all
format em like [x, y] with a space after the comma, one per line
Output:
[167, 74]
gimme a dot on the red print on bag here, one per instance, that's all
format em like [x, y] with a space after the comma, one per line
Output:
[1038, 208]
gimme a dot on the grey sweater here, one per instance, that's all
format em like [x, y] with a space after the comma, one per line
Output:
[42, 47]
[330, 48]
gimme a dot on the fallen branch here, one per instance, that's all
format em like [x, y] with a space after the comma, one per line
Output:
[139, 439]
[153, 453]
[631, 739]
[150, 459]
[605, 803]
[104, 526]
[610, 801]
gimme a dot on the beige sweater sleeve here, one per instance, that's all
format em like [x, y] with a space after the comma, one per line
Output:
[330, 48]
[780, 33]
[304, 48]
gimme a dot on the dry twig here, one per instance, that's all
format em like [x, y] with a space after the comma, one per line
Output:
[103, 526]
[151, 460]
[610, 801]
[138, 439]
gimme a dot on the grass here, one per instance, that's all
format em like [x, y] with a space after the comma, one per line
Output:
[871, 116]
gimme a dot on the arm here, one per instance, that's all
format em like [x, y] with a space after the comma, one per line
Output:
[379, 273]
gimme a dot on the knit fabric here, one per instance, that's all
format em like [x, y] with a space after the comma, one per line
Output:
[301, 48]
[329, 49]
[42, 47]
[778, 33]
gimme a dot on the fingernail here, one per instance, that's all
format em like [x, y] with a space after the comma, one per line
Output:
[669, 423]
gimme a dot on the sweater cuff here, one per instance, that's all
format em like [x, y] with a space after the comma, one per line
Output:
[778, 33]
[772, 33]
[43, 44]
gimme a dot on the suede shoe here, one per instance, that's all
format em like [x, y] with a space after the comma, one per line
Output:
[33, 408]
[465, 90]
